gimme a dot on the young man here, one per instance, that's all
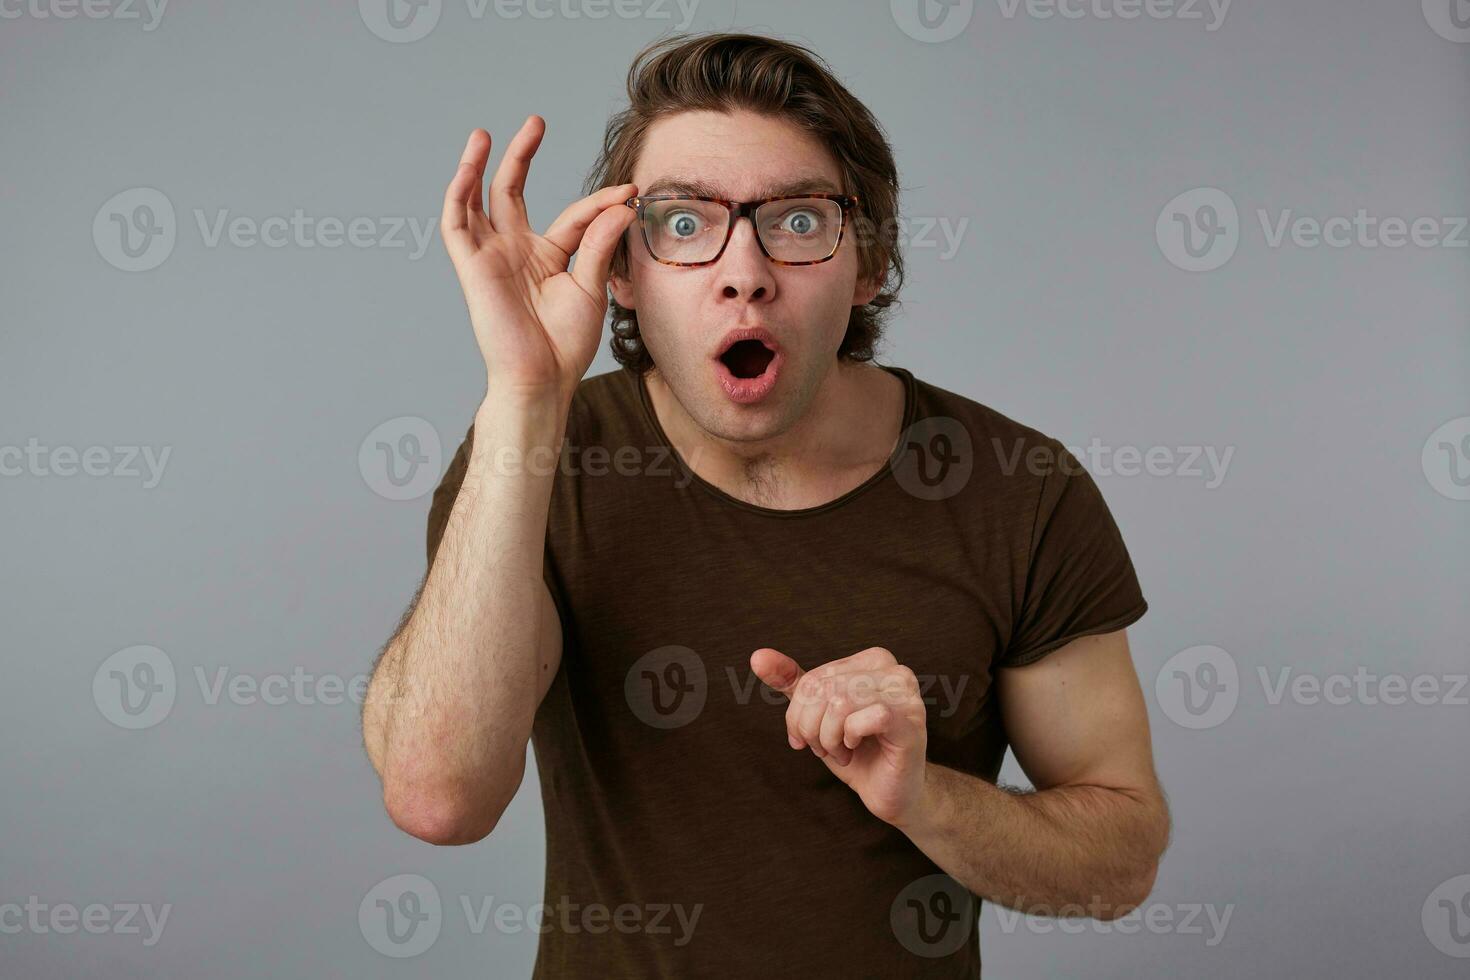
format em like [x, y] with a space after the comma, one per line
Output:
[769, 613]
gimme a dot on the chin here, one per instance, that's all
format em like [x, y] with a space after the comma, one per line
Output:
[697, 388]
[736, 423]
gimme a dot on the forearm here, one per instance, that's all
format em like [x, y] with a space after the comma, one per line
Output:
[450, 707]
[1064, 851]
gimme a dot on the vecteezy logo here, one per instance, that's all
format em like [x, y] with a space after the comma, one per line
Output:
[135, 229]
[935, 458]
[1446, 459]
[1199, 230]
[932, 21]
[666, 687]
[401, 916]
[1198, 687]
[400, 21]
[1446, 917]
[400, 459]
[135, 687]
[1450, 19]
[933, 916]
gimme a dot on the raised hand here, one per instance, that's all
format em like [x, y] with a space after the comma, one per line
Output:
[864, 716]
[537, 324]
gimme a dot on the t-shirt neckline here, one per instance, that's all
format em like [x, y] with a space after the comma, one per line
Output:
[910, 400]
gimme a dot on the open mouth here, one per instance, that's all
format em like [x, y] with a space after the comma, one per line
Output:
[747, 358]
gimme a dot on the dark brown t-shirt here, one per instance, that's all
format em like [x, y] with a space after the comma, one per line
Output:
[685, 838]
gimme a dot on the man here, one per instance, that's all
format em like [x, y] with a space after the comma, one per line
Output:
[769, 613]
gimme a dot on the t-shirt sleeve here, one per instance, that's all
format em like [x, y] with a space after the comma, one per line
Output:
[1079, 579]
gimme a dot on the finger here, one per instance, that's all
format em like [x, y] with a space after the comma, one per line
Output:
[864, 667]
[900, 685]
[594, 257]
[806, 714]
[464, 191]
[507, 203]
[799, 697]
[567, 230]
[873, 658]
[775, 670]
[875, 719]
[831, 731]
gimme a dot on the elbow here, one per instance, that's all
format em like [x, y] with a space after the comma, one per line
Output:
[436, 822]
[1137, 889]
[1129, 896]
[448, 819]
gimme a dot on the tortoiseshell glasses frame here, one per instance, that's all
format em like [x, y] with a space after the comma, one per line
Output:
[743, 209]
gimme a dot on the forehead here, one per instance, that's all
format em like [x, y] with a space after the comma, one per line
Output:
[739, 155]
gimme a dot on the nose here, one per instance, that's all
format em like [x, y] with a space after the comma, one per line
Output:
[744, 271]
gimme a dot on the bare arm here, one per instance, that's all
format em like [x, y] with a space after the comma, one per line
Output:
[451, 703]
[1089, 840]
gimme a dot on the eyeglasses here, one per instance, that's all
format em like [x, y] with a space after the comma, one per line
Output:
[795, 229]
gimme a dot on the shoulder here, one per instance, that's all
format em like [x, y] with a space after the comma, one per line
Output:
[996, 449]
[598, 400]
[604, 406]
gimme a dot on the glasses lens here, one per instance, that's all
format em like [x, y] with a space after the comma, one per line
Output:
[800, 229]
[685, 231]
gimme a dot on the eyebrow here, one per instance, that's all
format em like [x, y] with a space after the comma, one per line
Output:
[812, 184]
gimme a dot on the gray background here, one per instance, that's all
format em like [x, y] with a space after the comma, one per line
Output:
[1323, 829]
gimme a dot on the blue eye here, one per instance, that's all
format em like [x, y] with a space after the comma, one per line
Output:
[683, 223]
[802, 221]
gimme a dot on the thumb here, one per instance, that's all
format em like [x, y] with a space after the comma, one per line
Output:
[776, 670]
[593, 262]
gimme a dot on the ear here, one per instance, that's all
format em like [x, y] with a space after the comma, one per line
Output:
[622, 286]
[622, 291]
[863, 292]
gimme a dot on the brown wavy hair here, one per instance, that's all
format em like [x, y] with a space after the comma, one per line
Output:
[724, 72]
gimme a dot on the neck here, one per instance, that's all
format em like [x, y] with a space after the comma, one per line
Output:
[843, 435]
